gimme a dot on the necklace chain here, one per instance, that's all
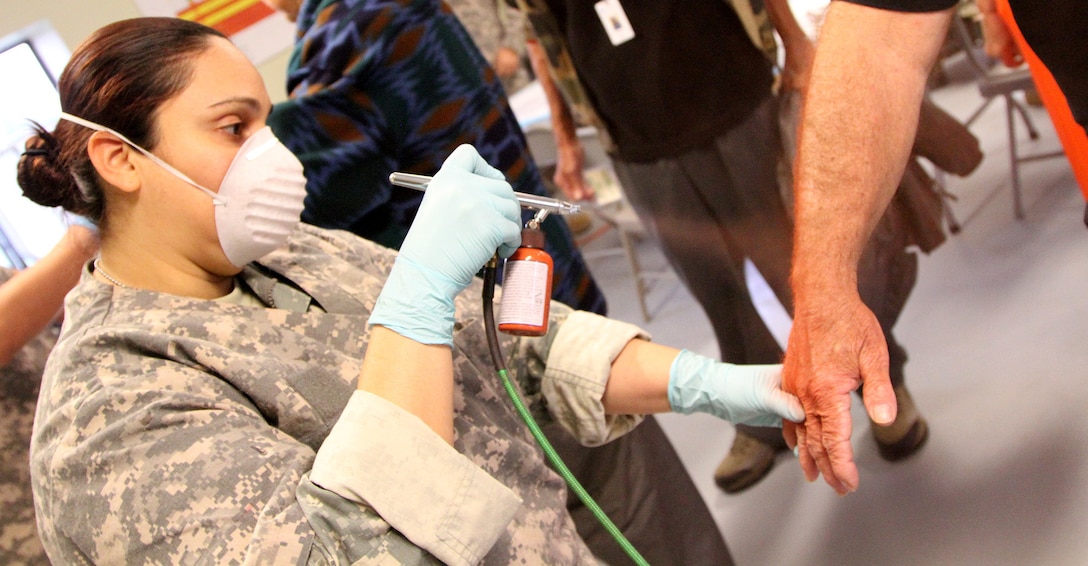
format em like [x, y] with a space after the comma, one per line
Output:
[98, 268]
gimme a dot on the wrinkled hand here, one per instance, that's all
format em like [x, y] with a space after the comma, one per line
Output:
[741, 394]
[569, 171]
[468, 212]
[834, 347]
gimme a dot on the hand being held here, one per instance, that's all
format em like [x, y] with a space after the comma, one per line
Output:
[833, 348]
[468, 213]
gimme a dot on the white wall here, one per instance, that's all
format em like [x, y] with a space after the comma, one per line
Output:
[76, 19]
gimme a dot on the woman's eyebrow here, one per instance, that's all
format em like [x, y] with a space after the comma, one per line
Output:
[243, 100]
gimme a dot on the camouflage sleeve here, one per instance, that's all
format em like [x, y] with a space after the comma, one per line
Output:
[148, 468]
[579, 350]
[166, 466]
[513, 28]
[456, 515]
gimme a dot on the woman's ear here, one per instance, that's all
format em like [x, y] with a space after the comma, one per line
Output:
[112, 159]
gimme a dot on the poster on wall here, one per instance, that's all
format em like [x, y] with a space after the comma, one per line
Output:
[259, 31]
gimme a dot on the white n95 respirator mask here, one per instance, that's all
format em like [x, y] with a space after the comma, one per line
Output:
[259, 200]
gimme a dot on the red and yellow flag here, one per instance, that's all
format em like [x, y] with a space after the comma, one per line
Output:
[227, 16]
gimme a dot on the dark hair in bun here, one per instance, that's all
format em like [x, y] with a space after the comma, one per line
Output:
[118, 77]
[46, 177]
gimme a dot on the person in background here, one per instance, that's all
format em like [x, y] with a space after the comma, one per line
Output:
[31, 301]
[377, 86]
[234, 386]
[731, 191]
[499, 32]
[859, 119]
[689, 120]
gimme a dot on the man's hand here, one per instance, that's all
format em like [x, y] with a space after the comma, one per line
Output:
[798, 65]
[861, 108]
[834, 347]
[998, 41]
[570, 170]
[506, 63]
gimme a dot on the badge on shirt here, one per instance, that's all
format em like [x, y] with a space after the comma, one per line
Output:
[615, 22]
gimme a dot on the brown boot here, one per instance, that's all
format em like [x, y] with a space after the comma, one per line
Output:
[748, 461]
[906, 435]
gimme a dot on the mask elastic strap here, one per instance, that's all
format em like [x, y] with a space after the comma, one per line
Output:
[216, 199]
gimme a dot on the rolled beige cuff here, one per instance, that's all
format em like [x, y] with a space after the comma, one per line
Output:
[578, 367]
[379, 455]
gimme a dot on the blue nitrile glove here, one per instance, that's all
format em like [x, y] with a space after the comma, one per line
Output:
[741, 394]
[72, 219]
[468, 212]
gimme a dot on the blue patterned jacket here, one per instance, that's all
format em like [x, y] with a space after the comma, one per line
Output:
[378, 86]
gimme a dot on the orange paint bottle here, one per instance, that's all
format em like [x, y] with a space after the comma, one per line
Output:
[527, 287]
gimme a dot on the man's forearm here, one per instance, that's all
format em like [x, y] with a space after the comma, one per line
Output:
[784, 22]
[562, 121]
[857, 129]
[570, 155]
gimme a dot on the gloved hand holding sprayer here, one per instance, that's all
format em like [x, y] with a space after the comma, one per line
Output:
[468, 215]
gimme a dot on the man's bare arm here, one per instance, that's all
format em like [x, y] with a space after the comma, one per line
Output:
[798, 47]
[858, 125]
[570, 155]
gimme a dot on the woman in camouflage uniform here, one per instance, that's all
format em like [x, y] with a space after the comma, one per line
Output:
[205, 406]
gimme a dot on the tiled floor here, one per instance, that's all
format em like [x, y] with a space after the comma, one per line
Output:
[997, 330]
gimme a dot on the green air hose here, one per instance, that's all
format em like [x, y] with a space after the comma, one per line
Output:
[553, 457]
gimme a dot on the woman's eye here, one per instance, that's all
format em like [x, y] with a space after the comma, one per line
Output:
[233, 129]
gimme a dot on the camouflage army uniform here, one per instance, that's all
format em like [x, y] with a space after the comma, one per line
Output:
[174, 430]
[19, 381]
[494, 25]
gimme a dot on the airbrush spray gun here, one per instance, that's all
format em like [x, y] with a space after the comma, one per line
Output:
[527, 280]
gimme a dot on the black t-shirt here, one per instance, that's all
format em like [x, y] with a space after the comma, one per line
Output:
[689, 74]
[907, 5]
[1057, 30]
